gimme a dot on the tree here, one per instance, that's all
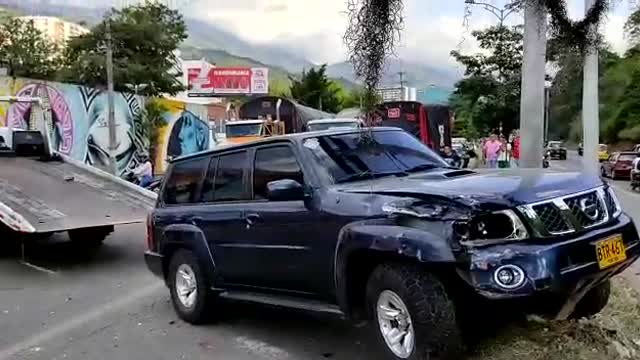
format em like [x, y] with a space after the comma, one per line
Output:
[489, 96]
[26, 52]
[314, 89]
[145, 38]
[151, 119]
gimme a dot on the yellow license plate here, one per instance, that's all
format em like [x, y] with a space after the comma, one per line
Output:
[610, 251]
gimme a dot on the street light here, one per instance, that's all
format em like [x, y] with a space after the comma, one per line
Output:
[501, 13]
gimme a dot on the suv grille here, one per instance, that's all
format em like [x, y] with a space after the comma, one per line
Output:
[551, 218]
[571, 213]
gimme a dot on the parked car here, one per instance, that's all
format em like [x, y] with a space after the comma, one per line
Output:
[375, 226]
[580, 149]
[636, 148]
[618, 165]
[556, 150]
[603, 152]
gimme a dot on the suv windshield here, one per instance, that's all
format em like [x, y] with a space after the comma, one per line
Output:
[371, 154]
[333, 125]
[237, 130]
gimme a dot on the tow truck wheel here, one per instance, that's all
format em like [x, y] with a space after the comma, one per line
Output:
[192, 299]
[593, 302]
[90, 237]
[412, 314]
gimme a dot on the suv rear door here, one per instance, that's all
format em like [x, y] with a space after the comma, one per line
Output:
[284, 234]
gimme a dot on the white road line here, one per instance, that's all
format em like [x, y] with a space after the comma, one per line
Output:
[38, 340]
[39, 268]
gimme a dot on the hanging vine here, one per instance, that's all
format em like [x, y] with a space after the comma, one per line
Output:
[373, 31]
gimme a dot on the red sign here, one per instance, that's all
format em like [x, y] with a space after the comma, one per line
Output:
[393, 113]
[212, 81]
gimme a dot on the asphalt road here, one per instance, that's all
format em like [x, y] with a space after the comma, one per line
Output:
[104, 304]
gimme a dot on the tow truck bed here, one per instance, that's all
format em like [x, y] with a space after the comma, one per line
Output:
[56, 196]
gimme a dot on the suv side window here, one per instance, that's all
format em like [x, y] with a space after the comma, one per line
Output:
[184, 181]
[229, 182]
[271, 164]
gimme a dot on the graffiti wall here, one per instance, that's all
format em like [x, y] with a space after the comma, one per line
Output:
[79, 115]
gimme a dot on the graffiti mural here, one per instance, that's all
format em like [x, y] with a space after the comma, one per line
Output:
[184, 132]
[80, 124]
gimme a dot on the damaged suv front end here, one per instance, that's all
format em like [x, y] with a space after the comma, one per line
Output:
[563, 246]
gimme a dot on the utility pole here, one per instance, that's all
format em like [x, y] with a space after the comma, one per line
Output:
[501, 13]
[532, 102]
[111, 120]
[401, 74]
[590, 105]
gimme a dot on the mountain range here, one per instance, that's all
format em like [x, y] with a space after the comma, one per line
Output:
[225, 48]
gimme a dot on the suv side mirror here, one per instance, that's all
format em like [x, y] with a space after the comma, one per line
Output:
[285, 190]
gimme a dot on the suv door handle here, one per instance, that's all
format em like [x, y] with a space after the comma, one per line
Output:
[252, 219]
[196, 220]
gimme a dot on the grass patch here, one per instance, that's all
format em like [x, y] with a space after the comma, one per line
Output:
[613, 334]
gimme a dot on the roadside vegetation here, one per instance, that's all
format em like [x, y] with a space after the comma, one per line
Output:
[613, 334]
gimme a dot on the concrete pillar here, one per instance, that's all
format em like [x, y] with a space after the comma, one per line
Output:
[533, 86]
[590, 107]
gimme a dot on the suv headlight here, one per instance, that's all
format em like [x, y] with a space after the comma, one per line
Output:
[612, 203]
[498, 225]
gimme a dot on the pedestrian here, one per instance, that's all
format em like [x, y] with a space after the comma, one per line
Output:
[451, 157]
[473, 159]
[503, 157]
[491, 151]
[515, 152]
[144, 172]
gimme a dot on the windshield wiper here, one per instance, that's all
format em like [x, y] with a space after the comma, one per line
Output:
[369, 175]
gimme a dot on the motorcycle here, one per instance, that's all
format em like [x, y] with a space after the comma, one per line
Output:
[154, 185]
[545, 161]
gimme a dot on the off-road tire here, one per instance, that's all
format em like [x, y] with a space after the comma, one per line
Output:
[593, 302]
[432, 311]
[201, 312]
[90, 237]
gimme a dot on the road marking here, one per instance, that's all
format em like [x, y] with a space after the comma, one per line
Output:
[39, 268]
[261, 348]
[39, 339]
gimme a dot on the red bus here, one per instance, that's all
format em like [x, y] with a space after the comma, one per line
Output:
[431, 124]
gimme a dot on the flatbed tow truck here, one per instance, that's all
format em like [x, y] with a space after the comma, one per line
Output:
[43, 192]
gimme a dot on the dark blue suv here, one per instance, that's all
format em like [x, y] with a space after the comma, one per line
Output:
[372, 225]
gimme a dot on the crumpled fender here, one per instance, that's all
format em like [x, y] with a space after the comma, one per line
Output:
[385, 236]
[190, 237]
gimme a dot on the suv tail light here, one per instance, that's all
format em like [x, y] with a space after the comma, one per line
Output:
[151, 244]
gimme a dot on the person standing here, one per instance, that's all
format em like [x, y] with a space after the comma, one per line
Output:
[451, 157]
[503, 157]
[515, 151]
[491, 151]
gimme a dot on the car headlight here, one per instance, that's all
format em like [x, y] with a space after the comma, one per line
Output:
[498, 225]
[612, 203]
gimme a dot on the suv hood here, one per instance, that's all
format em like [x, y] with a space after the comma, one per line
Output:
[503, 189]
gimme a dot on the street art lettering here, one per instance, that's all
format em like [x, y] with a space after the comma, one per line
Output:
[80, 124]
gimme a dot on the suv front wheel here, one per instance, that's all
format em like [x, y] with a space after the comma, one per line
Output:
[413, 317]
[191, 297]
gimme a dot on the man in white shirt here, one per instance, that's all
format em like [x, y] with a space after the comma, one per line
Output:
[144, 172]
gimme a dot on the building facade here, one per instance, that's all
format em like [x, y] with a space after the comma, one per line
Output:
[55, 29]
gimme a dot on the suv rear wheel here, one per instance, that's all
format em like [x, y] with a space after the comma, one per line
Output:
[192, 299]
[413, 317]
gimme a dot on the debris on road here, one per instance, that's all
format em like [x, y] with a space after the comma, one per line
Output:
[612, 334]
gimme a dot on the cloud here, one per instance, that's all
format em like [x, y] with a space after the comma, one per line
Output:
[314, 28]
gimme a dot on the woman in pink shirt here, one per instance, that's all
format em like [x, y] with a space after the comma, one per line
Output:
[492, 150]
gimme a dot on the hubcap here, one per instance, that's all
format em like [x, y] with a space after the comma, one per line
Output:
[395, 324]
[186, 287]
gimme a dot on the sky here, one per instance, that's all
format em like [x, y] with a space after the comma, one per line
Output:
[315, 27]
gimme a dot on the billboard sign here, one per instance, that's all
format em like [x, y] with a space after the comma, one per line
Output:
[221, 81]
